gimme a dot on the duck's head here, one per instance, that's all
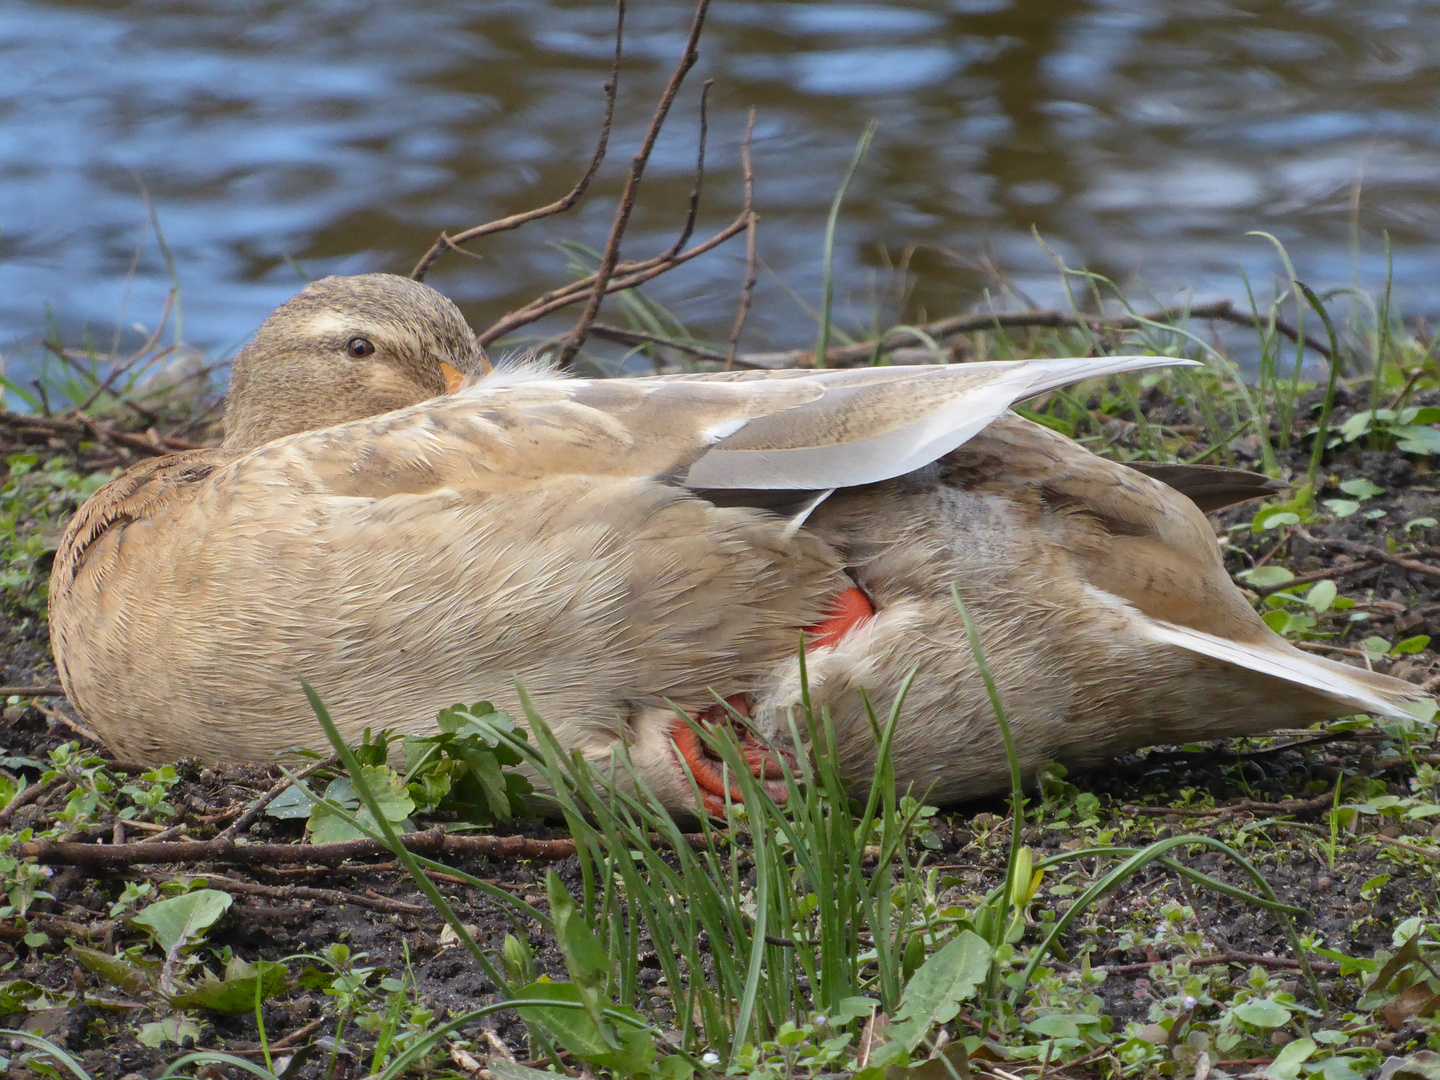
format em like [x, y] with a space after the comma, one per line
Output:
[345, 348]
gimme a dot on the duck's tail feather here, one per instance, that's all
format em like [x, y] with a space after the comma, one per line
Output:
[1363, 691]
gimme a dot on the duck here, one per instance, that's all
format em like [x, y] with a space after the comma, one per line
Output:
[404, 527]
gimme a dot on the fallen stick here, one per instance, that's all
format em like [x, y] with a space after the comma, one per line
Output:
[431, 842]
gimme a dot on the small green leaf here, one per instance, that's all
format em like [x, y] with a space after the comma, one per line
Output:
[1375, 646]
[1361, 488]
[1371, 889]
[1321, 595]
[173, 1029]
[1417, 440]
[1262, 1013]
[1411, 645]
[1341, 508]
[1286, 1065]
[290, 803]
[1275, 519]
[1338, 1068]
[1266, 577]
[1355, 426]
[177, 922]
[1421, 523]
[1055, 1026]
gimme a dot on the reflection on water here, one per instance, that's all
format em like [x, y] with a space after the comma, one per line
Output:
[1141, 137]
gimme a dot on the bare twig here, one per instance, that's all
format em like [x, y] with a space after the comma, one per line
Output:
[1429, 853]
[1243, 806]
[693, 206]
[45, 690]
[1228, 958]
[77, 428]
[256, 808]
[119, 371]
[306, 892]
[627, 276]
[1370, 551]
[55, 716]
[610, 257]
[747, 291]
[623, 336]
[430, 842]
[26, 796]
[1306, 579]
[444, 242]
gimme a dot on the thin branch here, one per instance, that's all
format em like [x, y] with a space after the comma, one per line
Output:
[696, 188]
[119, 371]
[624, 336]
[1370, 551]
[1306, 579]
[256, 808]
[78, 427]
[747, 291]
[309, 892]
[47, 690]
[1253, 959]
[610, 257]
[627, 276]
[445, 242]
[27, 795]
[430, 842]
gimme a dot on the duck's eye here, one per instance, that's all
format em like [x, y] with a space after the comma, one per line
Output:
[358, 348]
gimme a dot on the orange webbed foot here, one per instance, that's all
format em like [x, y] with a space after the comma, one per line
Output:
[764, 763]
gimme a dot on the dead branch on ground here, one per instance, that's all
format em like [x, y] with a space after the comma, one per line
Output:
[432, 842]
[77, 428]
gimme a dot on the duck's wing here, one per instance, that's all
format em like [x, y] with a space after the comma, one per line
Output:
[873, 424]
[759, 431]
[1211, 487]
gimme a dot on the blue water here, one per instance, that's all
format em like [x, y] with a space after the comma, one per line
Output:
[1141, 138]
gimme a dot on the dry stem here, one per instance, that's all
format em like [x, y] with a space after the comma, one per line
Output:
[444, 242]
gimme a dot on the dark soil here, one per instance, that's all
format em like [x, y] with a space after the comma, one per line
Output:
[96, 1021]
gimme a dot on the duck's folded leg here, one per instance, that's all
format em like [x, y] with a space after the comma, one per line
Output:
[765, 764]
[849, 609]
